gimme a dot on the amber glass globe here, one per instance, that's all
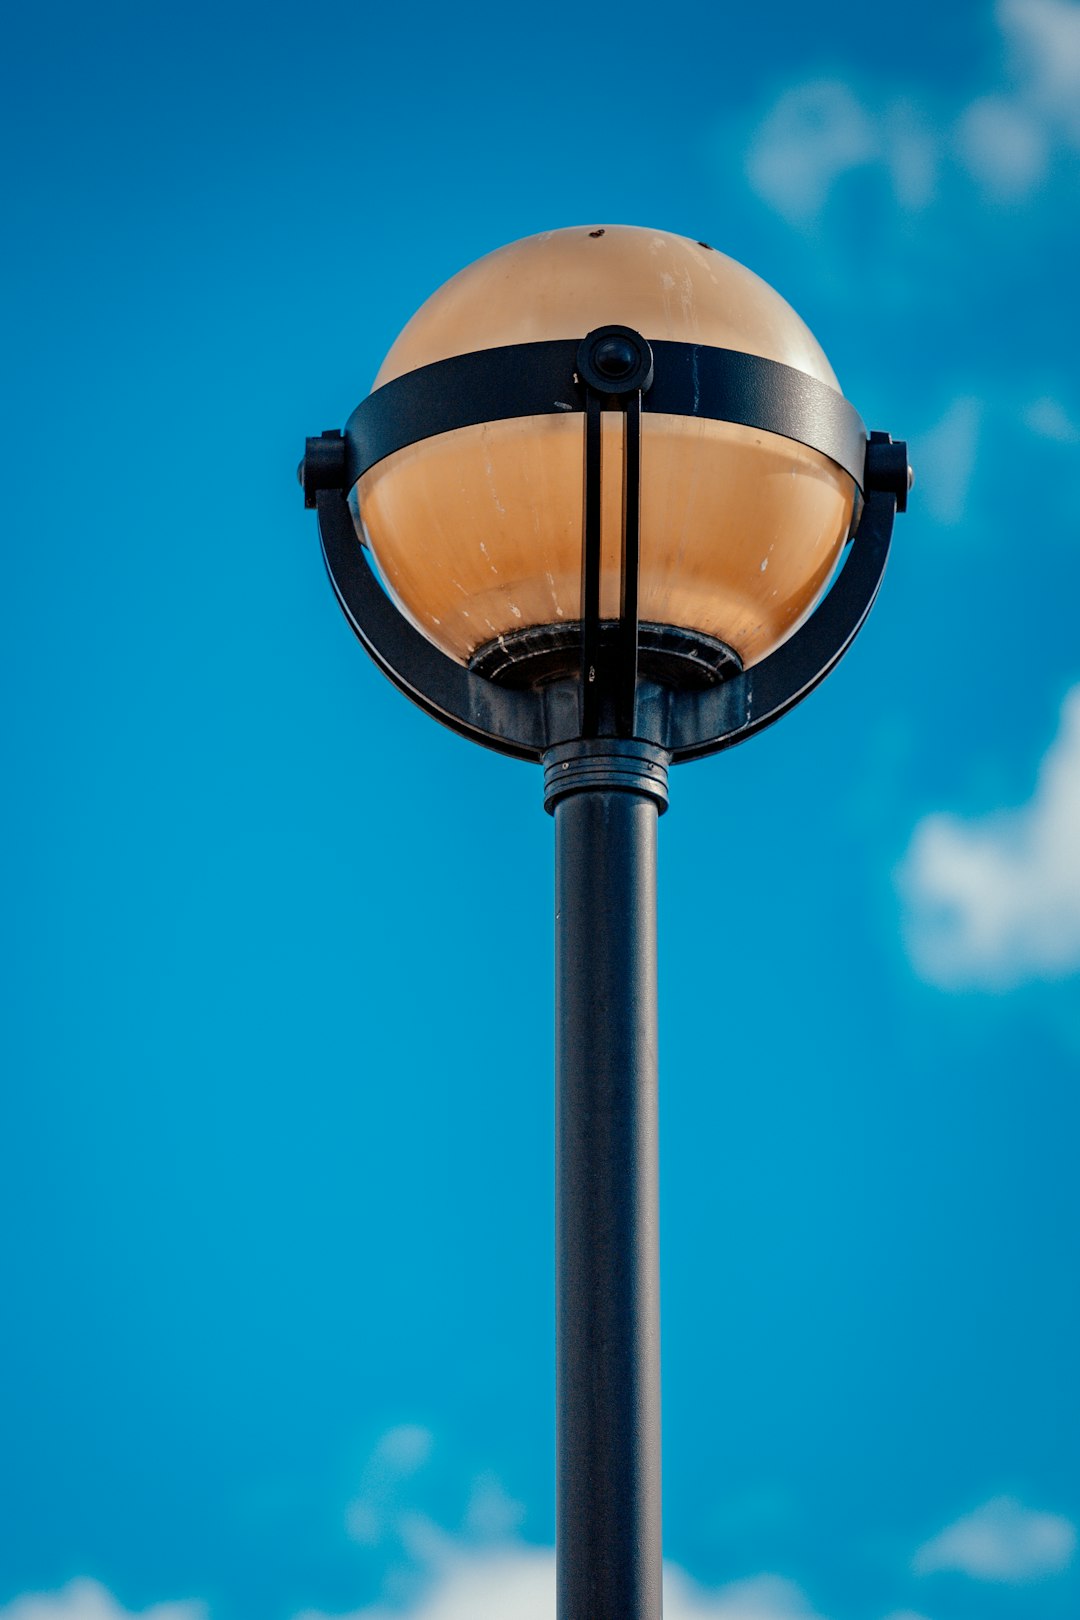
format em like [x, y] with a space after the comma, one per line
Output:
[478, 532]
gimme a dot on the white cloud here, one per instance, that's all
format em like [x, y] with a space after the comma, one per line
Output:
[910, 151]
[520, 1581]
[1050, 420]
[399, 1454]
[492, 1515]
[86, 1600]
[405, 1449]
[514, 1580]
[944, 459]
[764, 1597]
[815, 133]
[819, 131]
[1003, 144]
[1045, 38]
[1001, 1541]
[996, 901]
[1004, 139]
[484, 1573]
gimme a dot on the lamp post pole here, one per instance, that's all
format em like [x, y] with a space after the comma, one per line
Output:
[775, 471]
[608, 1305]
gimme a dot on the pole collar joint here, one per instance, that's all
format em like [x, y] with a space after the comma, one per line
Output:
[603, 764]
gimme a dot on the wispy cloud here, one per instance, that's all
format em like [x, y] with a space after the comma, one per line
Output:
[1007, 139]
[482, 1571]
[492, 1515]
[995, 901]
[945, 456]
[1001, 1541]
[520, 1581]
[399, 1454]
[1048, 419]
[460, 1577]
[819, 131]
[1003, 145]
[763, 1597]
[815, 133]
[1045, 38]
[517, 1581]
[86, 1600]
[1003, 140]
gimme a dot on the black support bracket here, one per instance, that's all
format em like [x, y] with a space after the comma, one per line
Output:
[608, 695]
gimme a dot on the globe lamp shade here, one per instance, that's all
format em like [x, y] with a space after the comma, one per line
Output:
[477, 532]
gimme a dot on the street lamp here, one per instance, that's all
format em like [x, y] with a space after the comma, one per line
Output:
[606, 475]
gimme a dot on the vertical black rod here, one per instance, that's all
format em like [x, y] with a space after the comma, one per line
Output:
[627, 665]
[608, 1356]
[591, 569]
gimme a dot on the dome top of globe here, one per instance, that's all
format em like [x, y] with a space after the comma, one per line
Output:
[562, 284]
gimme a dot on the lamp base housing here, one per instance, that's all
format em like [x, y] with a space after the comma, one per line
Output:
[686, 659]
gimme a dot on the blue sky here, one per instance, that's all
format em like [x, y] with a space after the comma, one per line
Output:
[275, 1166]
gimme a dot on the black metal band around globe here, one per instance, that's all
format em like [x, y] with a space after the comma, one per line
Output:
[540, 379]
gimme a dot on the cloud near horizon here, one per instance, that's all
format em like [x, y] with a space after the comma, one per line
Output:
[88, 1600]
[519, 1580]
[513, 1580]
[1001, 1541]
[483, 1572]
[994, 902]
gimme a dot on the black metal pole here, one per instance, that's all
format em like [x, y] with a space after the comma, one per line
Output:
[608, 1332]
